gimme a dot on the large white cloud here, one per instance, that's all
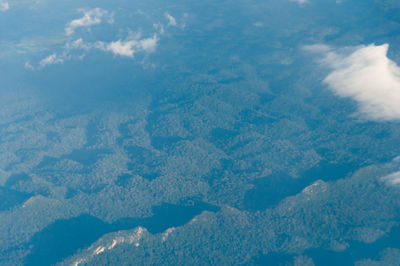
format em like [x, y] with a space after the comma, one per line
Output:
[366, 75]
[90, 17]
[4, 6]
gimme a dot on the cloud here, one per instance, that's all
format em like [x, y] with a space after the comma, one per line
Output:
[126, 48]
[78, 44]
[89, 18]
[149, 45]
[121, 48]
[301, 2]
[29, 66]
[392, 179]
[366, 75]
[50, 60]
[130, 47]
[4, 6]
[171, 20]
[159, 28]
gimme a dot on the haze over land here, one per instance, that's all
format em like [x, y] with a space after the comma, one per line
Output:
[199, 133]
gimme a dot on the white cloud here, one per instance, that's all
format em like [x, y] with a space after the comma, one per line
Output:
[133, 44]
[89, 18]
[29, 66]
[122, 48]
[130, 47]
[366, 75]
[4, 6]
[50, 60]
[126, 48]
[392, 179]
[78, 44]
[159, 28]
[149, 45]
[171, 20]
[301, 2]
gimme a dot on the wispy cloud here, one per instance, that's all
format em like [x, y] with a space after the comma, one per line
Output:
[366, 75]
[171, 20]
[90, 17]
[301, 2]
[4, 6]
[392, 179]
[135, 43]
[128, 47]
[124, 48]
[50, 60]
[159, 27]
[29, 66]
